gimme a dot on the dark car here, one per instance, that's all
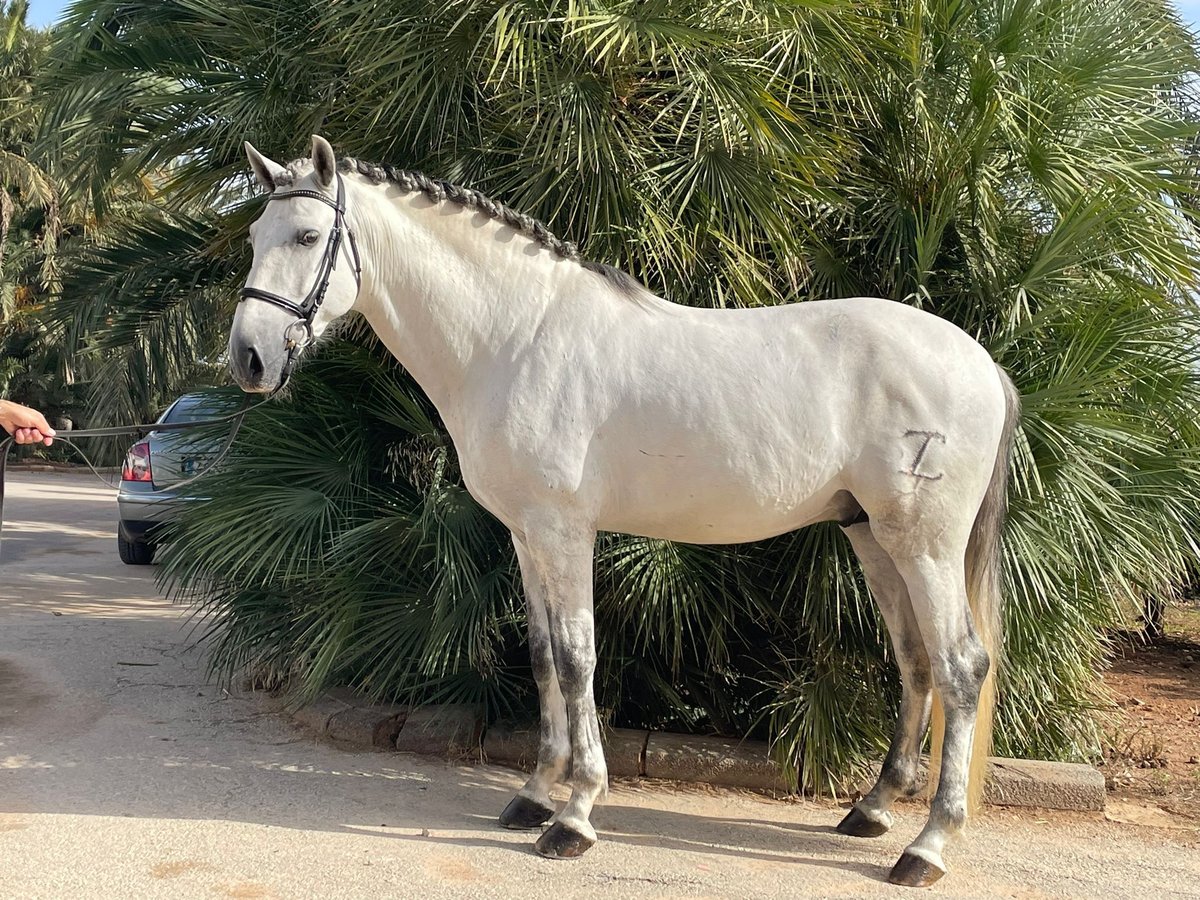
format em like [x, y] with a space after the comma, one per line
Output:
[159, 461]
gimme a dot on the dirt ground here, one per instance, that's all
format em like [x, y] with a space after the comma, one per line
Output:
[124, 772]
[1152, 749]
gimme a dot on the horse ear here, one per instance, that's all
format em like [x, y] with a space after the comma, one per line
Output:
[323, 160]
[265, 170]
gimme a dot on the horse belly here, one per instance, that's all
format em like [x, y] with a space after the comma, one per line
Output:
[710, 501]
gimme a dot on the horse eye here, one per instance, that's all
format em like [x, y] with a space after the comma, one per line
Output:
[308, 238]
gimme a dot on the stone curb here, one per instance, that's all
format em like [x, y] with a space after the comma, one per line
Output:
[457, 731]
[1042, 784]
[441, 730]
[685, 757]
[517, 745]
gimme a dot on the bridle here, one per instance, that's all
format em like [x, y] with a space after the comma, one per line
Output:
[306, 310]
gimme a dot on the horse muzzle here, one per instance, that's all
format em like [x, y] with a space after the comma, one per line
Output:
[258, 367]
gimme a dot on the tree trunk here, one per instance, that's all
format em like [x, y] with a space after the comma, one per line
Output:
[6, 211]
[1154, 614]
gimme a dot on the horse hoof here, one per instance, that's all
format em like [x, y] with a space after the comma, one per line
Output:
[560, 842]
[856, 824]
[911, 870]
[522, 812]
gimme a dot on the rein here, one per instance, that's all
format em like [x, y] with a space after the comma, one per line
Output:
[140, 431]
[306, 310]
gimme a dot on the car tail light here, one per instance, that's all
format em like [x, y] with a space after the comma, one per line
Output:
[137, 463]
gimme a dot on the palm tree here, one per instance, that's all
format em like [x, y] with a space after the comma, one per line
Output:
[21, 49]
[33, 366]
[1019, 168]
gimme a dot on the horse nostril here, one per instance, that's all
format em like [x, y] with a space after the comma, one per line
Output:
[254, 362]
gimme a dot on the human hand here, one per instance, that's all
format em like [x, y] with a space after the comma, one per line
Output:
[27, 426]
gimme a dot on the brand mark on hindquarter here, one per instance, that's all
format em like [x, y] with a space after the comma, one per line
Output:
[926, 437]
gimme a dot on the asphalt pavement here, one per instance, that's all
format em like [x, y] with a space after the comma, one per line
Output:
[125, 773]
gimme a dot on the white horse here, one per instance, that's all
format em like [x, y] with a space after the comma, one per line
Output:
[579, 402]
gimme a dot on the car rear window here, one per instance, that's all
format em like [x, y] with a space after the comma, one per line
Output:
[197, 409]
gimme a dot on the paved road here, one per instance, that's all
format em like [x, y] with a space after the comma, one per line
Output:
[124, 773]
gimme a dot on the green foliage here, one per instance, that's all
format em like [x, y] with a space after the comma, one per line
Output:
[140, 297]
[34, 367]
[1026, 169]
[334, 564]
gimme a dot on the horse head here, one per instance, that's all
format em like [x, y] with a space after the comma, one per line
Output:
[305, 272]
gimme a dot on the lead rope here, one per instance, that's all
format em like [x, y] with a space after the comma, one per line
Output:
[139, 430]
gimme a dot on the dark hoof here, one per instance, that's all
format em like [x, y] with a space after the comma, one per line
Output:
[522, 812]
[914, 871]
[560, 842]
[858, 825]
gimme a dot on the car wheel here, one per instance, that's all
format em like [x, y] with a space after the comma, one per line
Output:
[134, 553]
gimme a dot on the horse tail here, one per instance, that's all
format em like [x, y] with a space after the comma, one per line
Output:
[984, 570]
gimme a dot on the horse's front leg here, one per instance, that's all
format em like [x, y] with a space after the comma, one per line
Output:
[559, 554]
[532, 805]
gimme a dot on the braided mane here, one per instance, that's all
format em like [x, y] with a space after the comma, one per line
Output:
[437, 190]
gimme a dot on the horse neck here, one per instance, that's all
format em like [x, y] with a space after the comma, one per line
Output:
[447, 291]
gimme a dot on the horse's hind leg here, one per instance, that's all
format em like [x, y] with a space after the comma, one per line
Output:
[959, 664]
[870, 817]
[532, 805]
